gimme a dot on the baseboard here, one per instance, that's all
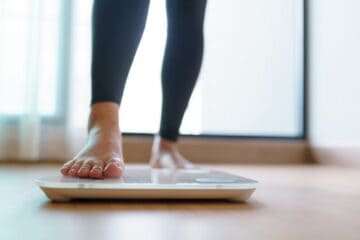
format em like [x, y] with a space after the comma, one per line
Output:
[342, 156]
[216, 151]
[223, 150]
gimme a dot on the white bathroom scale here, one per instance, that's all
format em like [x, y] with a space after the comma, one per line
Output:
[147, 183]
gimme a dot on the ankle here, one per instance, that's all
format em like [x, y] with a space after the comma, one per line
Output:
[103, 116]
[166, 144]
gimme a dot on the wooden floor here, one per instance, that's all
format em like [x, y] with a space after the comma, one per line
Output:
[292, 202]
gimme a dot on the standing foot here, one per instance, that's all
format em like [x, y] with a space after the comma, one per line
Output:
[165, 154]
[101, 157]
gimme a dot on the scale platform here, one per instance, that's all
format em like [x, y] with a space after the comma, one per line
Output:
[147, 183]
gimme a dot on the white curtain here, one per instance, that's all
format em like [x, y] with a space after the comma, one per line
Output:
[35, 121]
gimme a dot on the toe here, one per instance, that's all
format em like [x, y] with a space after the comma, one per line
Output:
[96, 171]
[164, 160]
[64, 170]
[66, 167]
[114, 169]
[182, 162]
[188, 165]
[85, 169]
[74, 168]
[185, 164]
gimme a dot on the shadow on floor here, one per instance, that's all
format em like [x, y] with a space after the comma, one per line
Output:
[151, 205]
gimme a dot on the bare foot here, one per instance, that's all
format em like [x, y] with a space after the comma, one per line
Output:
[101, 157]
[165, 154]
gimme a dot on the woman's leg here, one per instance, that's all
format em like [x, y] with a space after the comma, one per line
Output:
[117, 27]
[181, 67]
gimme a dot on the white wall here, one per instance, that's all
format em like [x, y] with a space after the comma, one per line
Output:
[334, 74]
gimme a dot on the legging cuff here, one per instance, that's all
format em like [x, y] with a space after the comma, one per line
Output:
[93, 101]
[172, 136]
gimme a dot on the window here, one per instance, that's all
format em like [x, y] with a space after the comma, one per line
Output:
[251, 82]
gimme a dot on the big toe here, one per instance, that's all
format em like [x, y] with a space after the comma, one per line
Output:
[64, 170]
[114, 170]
